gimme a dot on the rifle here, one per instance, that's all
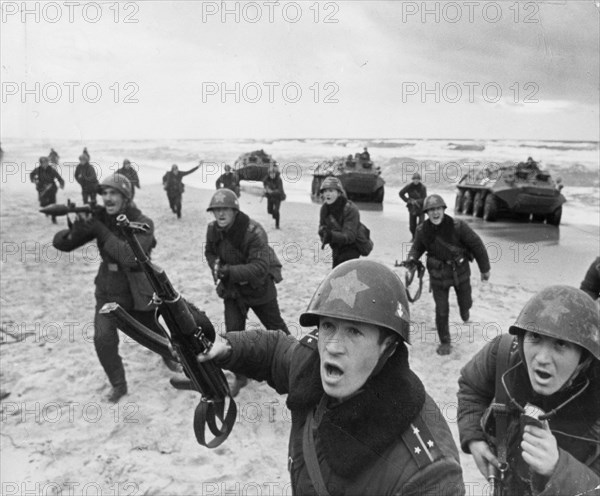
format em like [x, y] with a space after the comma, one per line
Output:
[412, 266]
[57, 210]
[185, 336]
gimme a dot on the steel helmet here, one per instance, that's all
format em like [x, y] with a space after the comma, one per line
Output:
[362, 291]
[433, 201]
[331, 182]
[224, 198]
[562, 312]
[118, 182]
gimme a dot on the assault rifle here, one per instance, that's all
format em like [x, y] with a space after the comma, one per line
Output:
[185, 336]
[57, 210]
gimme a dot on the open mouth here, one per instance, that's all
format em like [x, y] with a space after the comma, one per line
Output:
[333, 371]
[544, 376]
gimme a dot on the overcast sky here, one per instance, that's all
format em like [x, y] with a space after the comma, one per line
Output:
[478, 70]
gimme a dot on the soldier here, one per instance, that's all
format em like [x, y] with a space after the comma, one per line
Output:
[130, 173]
[362, 421]
[273, 190]
[414, 194]
[450, 245]
[244, 266]
[53, 157]
[44, 176]
[228, 180]
[365, 156]
[173, 185]
[591, 281]
[529, 407]
[85, 175]
[338, 222]
[119, 277]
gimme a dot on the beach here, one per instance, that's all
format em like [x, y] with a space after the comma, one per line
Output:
[59, 435]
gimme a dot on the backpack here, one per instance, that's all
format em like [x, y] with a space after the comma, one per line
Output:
[363, 240]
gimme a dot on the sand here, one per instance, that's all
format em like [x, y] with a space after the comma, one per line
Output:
[60, 437]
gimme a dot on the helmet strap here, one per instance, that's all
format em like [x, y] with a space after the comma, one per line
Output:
[390, 349]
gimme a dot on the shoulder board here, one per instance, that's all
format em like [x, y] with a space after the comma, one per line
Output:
[252, 227]
[420, 443]
[310, 340]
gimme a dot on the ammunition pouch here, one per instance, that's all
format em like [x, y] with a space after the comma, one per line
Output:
[447, 269]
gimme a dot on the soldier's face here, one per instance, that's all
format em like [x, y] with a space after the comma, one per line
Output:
[550, 362]
[416, 181]
[436, 215]
[330, 195]
[114, 201]
[349, 352]
[224, 216]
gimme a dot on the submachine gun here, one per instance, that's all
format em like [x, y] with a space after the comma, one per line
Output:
[185, 337]
[412, 267]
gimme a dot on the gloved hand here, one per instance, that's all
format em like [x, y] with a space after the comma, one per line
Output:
[223, 272]
[485, 276]
[84, 223]
[410, 263]
[326, 236]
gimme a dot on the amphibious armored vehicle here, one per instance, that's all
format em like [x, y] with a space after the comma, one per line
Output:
[360, 177]
[253, 166]
[523, 191]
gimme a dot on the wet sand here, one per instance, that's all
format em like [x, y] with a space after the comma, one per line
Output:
[57, 432]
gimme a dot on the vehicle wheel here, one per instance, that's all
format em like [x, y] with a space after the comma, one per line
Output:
[554, 217]
[538, 217]
[378, 196]
[478, 204]
[490, 208]
[467, 203]
[458, 202]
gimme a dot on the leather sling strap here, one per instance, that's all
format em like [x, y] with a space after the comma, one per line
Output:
[501, 398]
[310, 456]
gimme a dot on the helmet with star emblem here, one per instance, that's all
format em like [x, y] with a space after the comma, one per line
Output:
[564, 313]
[361, 291]
[224, 198]
[433, 201]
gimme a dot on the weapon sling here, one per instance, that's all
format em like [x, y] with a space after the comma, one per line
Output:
[309, 451]
[419, 269]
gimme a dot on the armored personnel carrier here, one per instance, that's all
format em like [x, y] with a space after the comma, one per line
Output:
[523, 191]
[253, 166]
[359, 176]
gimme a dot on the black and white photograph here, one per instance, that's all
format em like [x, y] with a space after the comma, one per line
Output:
[307, 247]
